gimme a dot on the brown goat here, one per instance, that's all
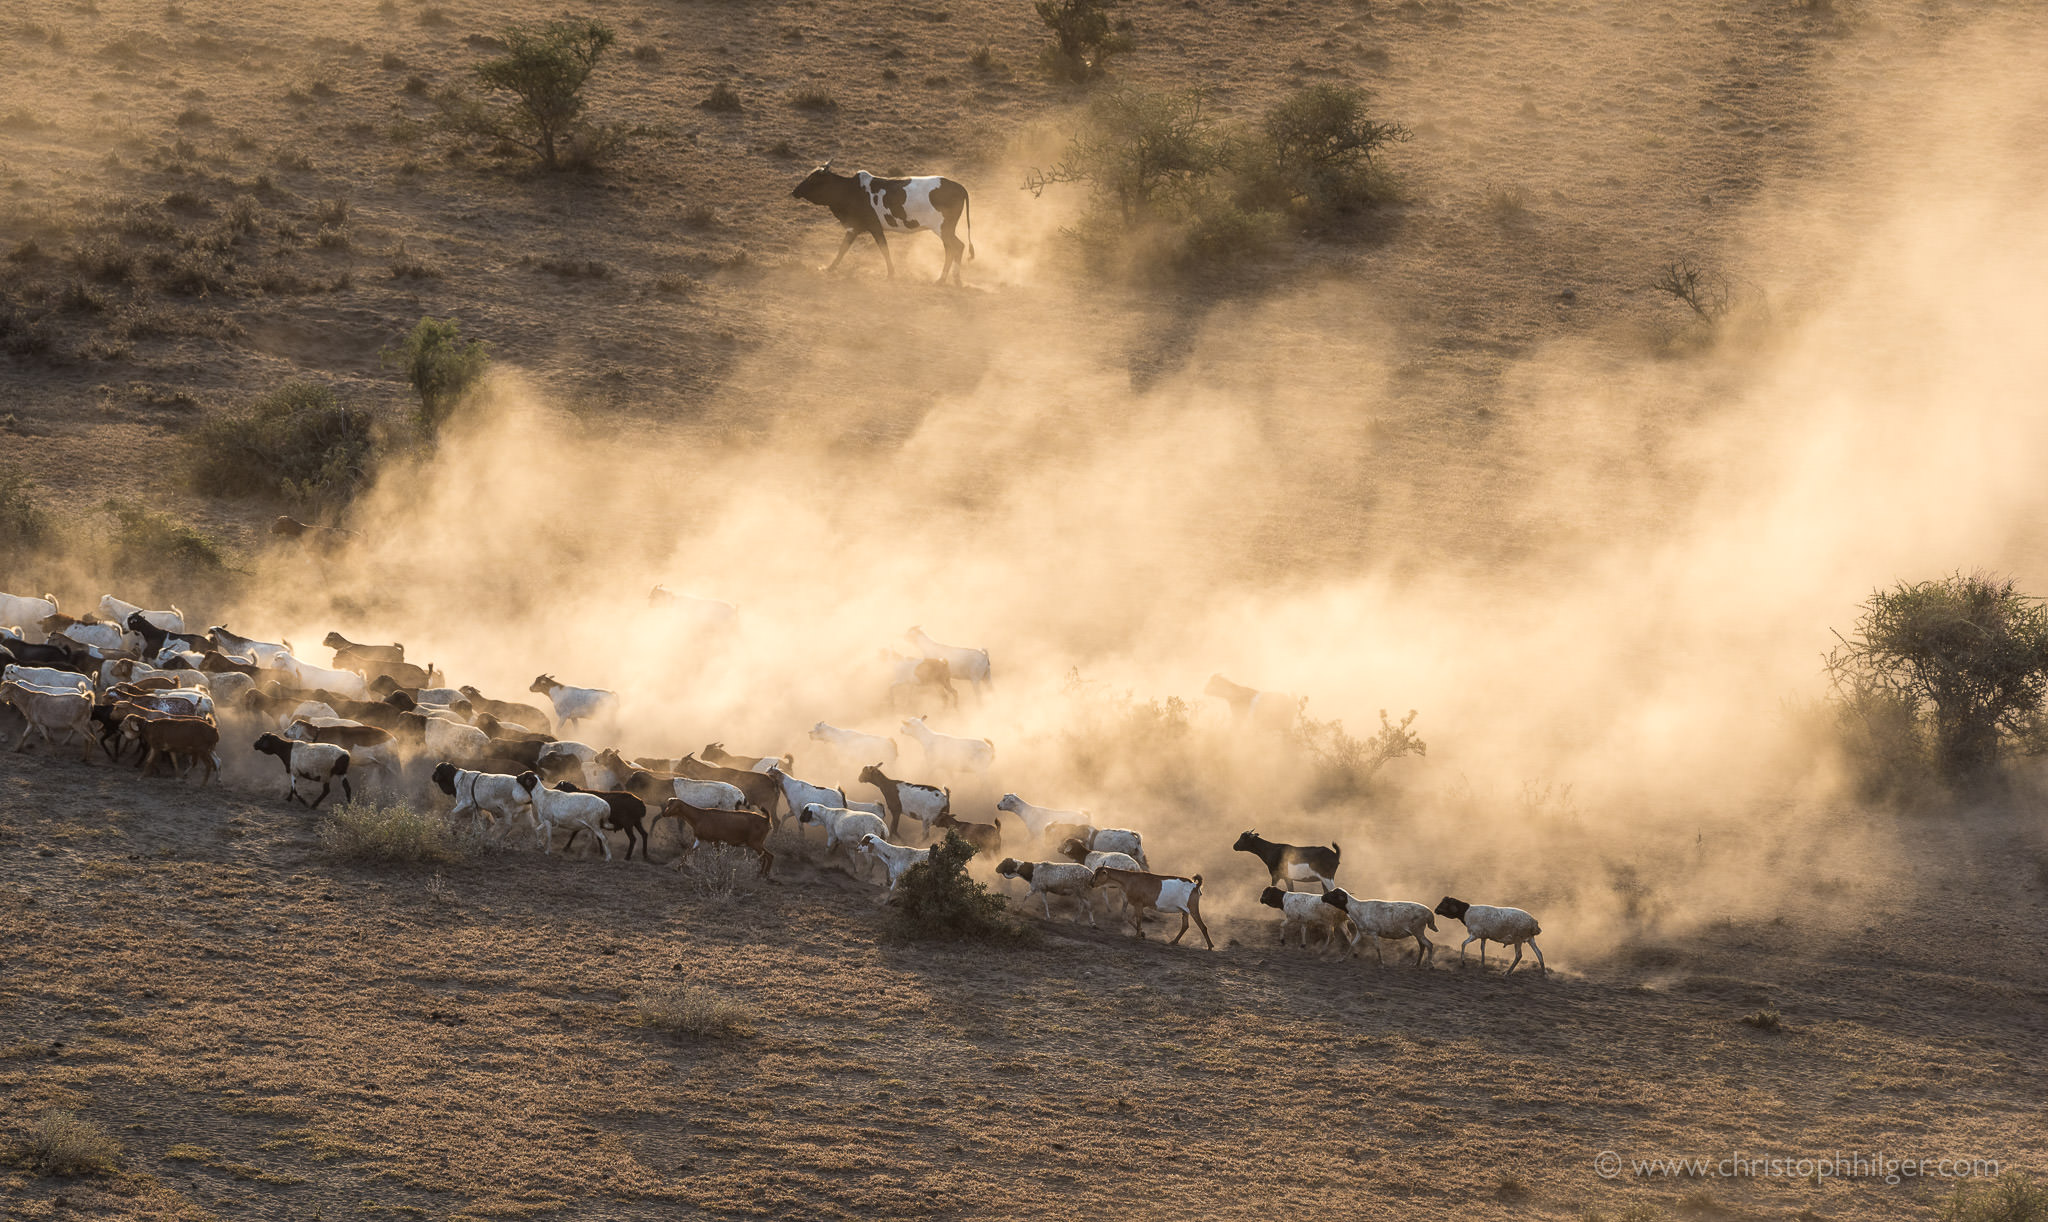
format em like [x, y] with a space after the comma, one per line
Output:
[183, 741]
[985, 837]
[739, 828]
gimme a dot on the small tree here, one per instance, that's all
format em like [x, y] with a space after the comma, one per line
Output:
[1965, 656]
[440, 365]
[1317, 150]
[1137, 150]
[936, 901]
[1085, 36]
[544, 69]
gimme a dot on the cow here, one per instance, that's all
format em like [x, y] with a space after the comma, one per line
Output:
[865, 204]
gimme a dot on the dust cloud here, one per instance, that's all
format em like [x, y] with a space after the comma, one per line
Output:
[1609, 606]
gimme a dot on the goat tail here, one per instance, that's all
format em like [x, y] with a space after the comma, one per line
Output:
[1336, 850]
[50, 599]
[1198, 882]
[1431, 918]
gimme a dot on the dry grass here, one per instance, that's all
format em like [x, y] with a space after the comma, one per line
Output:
[366, 830]
[61, 1144]
[692, 1011]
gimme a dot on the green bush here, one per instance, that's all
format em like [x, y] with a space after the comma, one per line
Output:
[1086, 35]
[1964, 659]
[145, 541]
[62, 1144]
[440, 365]
[544, 69]
[1315, 152]
[24, 524]
[936, 902]
[362, 830]
[296, 443]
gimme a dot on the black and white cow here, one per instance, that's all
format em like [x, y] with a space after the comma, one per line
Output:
[865, 204]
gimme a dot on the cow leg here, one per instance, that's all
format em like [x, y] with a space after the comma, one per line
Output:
[954, 249]
[882, 244]
[845, 244]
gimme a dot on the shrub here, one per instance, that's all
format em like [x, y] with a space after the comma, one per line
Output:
[647, 53]
[1762, 1020]
[408, 266]
[143, 540]
[544, 69]
[1966, 658]
[1085, 37]
[691, 1010]
[985, 59]
[721, 873]
[440, 365]
[297, 443]
[1507, 203]
[362, 830]
[62, 1144]
[936, 901]
[1137, 152]
[1699, 290]
[1345, 765]
[813, 98]
[2009, 1198]
[24, 523]
[722, 100]
[104, 258]
[1315, 151]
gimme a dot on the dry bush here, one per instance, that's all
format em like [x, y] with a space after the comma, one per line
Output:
[722, 99]
[1086, 35]
[544, 69]
[296, 443]
[813, 98]
[691, 1011]
[1345, 766]
[935, 901]
[1703, 292]
[1507, 203]
[2010, 1198]
[144, 541]
[62, 1144]
[364, 831]
[720, 874]
[24, 524]
[408, 266]
[1763, 1020]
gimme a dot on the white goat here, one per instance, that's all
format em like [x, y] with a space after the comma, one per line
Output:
[895, 858]
[29, 613]
[1507, 926]
[1049, 878]
[1305, 911]
[1037, 818]
[968, 664]
[553, 808]
[1384, 919]
[855, 747]
[308, 676]
[951, 752]
[46, 677]
[106, 637]
[46, 709]
[575, 703]
[490, 793]
[114, 609]
[843, 828]
[797, 794]
[262, 653]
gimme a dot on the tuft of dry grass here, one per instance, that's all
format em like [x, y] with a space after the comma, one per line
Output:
[62, 1144]
[1762, 1020]
[814, 98]
[364, 831]
[720, 873]
[2010, 1198]
[692, 1010]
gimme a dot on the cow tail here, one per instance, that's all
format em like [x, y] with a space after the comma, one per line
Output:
[969, 209]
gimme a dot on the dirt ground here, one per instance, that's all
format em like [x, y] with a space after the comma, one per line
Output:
[273, 1035]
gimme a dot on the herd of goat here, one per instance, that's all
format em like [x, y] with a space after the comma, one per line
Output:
[129, 680]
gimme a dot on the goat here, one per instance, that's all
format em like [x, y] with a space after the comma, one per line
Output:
[1386, 919]
[949, 751]
[404, 674]
[740, 828]
[1507, 926]
[109, 638]
[1288, 864]
[843, 828]
[986, 838]
[707, 612]
[629, 815]
[195, 740]
[924, 803]
[1074, 849]
[495, 794]
[1037, 819]
[911, 679]
[715, 753]
[576, 703]
[263, 653]
[796, 794]
[508, 710]
[564, 807]
[961, 663]
[322, 762]
[1049, 878]
[1158, 892]
[854, 745]
[309, 676]
[376, 653]
[326, 538]
[28, 612]
[47, 709]
[759, 788]
[1272, 710]
[1303, 910]
[114, 610]
[367, 744]
[896, 859]
[46, 676]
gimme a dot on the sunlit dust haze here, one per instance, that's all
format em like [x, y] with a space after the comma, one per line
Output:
[1606, 587]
